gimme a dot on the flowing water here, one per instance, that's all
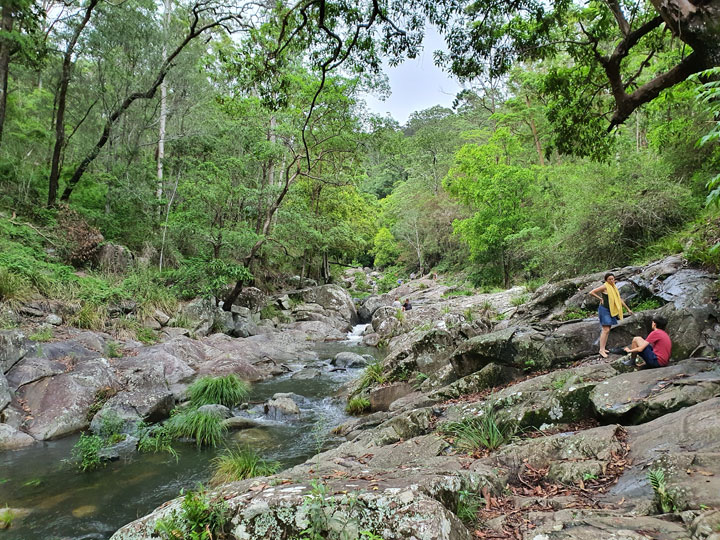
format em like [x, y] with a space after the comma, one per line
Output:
[66, 504]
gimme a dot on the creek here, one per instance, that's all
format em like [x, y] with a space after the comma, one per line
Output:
[66, 504]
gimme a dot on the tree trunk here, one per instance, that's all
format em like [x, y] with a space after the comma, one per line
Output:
[538, 146]
[6, 25]
[163, 106]
[54, 180]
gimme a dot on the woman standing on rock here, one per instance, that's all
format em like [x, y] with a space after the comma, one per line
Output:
[609, 310]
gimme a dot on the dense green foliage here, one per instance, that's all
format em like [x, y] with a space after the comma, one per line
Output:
[271, 166]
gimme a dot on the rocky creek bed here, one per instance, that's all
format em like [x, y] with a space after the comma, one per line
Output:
[586, 430]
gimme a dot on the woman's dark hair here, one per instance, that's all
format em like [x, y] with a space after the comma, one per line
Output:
[660, 322]
[608, 275]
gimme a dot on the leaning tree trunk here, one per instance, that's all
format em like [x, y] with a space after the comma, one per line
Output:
[5, 45]
[54, 180]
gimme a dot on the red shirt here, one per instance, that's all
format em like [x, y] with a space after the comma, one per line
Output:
[661, 345]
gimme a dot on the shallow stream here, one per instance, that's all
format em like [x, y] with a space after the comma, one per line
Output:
[66, 504]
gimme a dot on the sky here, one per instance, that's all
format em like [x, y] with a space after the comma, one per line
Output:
[416, 84]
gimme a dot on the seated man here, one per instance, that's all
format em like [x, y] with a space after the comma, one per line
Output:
[654, 349]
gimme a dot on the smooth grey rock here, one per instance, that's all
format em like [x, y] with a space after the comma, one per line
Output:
[59, 405]
[216, 410]
[281, 408]
[161, 317]
[13, 439]
[348, 359]
[113, 258]
[53, 319]
[304, 374]
[241, 422]
[123, 418]
[122, 449]
[382, 397]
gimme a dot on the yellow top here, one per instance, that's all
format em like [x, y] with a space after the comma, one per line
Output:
[615, 306]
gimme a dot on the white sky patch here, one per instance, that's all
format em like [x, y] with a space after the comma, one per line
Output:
[416, 84]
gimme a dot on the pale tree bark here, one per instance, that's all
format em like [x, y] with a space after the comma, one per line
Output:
[533, 128]
[193, 31]
[163, 105]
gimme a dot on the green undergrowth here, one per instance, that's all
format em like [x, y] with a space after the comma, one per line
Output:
[357, 405]
[207, 428]
[200, 517]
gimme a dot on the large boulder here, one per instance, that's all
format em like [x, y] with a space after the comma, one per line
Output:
[113, 258]
[371, 304]
[335, 302]
[347, 359]
[59, 405]
[13, 439]
[281, 407]
[202, 312]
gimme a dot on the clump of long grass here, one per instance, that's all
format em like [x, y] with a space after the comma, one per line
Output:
[357, 405]
[479, 432]
[207, 428]
[373, 375]
[13, 287]
[240, 463]
[229, 390]
[91, 316]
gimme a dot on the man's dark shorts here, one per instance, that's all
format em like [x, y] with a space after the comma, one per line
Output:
[648, 354]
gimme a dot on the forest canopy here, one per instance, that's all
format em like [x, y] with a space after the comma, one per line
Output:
[231, 143]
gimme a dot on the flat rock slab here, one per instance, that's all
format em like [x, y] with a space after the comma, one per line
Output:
[643, 395]
[574, 525]
[686, 445]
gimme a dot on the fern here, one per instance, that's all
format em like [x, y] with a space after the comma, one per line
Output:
[665, 501]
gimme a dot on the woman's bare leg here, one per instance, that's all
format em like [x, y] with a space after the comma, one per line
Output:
[604, 334]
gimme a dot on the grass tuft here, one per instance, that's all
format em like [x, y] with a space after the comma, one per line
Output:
[239, 464]
[357, 405]
[13, 288]
[373, 375]
[478, 433]
[229, 390]
[207, 428]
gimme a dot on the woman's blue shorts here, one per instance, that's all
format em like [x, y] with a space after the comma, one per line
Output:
[605, 318]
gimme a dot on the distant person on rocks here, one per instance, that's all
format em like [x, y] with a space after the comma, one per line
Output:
[412, 276]
[655, 349]
[406, 305]
[609, 310]
[396, 303]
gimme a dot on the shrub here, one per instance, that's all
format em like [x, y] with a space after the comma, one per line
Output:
[357, 405]
[520, 300]
[85, 452]
[149, 290]
[576, 313]
[645, 305]
[148, 336]
[270, 312]
[155, 439]
[208, 279]
[663, 498]
[477, 433]
[113, 350]
[206, 428]
[239, 464]
[229, 390]
[200, 518]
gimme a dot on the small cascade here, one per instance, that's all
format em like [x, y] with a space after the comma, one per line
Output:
[354, 336]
